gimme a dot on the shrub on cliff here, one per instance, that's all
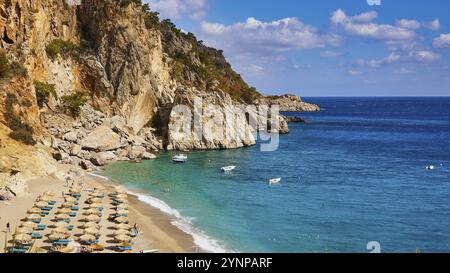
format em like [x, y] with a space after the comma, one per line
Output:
[20, 131]
[58, 46]
[4, 66]
[43, 92]
[73, 102]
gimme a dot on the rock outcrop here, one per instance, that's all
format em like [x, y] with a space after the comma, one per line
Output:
[289, 103]
[102, 81]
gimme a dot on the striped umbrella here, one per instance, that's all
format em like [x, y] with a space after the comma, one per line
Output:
[91, 211]
[122, 238]
[64, 211]
[60, 230]
[95, 205]
[34, 211]
[41, 204]
[122, 232]
[91, 225]
[92, 231]
[57, 236]
[92, 218]
[122, 226]
[25, 230]
[29, 225]
[94, 200]
[45, 198]
[33, 217]
[22, 238]
[121, 219]
[61, 224]
[70, 199]
[87, 238]
[62, 217]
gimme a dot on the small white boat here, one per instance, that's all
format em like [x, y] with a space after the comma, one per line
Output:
[274, 181]
[181, 158]
[430, 168]
[228, 168]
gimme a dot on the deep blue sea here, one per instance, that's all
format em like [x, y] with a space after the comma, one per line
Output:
[354, 173]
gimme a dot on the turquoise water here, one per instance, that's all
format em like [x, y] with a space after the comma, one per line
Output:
[354, 173]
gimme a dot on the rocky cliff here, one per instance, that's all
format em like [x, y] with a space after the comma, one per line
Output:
[97, 82]
[289, 103]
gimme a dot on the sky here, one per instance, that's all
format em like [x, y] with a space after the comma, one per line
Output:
[326, 47]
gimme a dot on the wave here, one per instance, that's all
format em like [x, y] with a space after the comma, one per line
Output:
[201, 239]
[99, 176]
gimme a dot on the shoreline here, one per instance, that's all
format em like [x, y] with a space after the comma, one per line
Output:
[156, 229]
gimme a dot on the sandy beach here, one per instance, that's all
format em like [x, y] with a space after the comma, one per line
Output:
[156, 230]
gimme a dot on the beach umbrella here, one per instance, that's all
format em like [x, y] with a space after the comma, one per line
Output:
[122, 238]
[94, 200]
[95, 205]
[122, 232]
[41, 204]
[22, 238]
[91, 211]
[33, 217]
[70, 199]
[67, 205]
[45, 198]
[34, 211]
[64, 211]
[92, 218]
[24, 230]
[122, 226]
[91, 225]
[60, 224]
[87, 238]
[57, 236]
[62, 216]
[92, 231]
[121, 219]
[122, 196]
[60, 230]
[29, 225]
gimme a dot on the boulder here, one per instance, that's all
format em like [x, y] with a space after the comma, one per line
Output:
[101, 139]
[148, 156]
[295, 120]
[71, 136]
[75, 149]
[136, 152]
[101, 159]
[60, 156]
[87, 165]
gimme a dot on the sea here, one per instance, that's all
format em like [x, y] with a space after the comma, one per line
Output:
[354, 179]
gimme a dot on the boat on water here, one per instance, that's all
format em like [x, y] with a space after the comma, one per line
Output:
[181, 158]
[228, 168]
[274, 181]
[430, 168]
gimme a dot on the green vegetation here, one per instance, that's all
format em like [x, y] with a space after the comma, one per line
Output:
[20, 131]
[151, 18]
[4, 65]
[125, 3]
[73, 102]
[10, 68]
[58, 46]
[43, 92]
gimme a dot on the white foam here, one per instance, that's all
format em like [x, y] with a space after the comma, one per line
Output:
[99, 176]
[201, 239]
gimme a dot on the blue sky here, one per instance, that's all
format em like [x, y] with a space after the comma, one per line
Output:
[326, 47]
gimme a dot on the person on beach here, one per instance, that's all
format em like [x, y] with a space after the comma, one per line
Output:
[8, 227]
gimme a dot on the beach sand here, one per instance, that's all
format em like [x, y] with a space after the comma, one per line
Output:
[156, 230]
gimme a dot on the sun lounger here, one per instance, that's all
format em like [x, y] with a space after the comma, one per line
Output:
[62, 242]
[75, 208]
[37, 221]
[36, 235]
[63, 220]
[124, 248]
[51, 203]
[44, 213]
[70, 227]
[48, 208]
[17, 250]
[72, 214]
[40, 227]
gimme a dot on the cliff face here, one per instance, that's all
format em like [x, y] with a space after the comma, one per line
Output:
[289, 103]
[108, 71]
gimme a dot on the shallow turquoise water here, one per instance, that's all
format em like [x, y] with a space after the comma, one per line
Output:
[354, 173]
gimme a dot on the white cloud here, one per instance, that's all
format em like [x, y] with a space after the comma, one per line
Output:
[330, 54]
[376, 63]
[362, 25]
[353, 72]
[174, 9]
[425, 56]
[255, 36]
[414, 24]
[443, 41]
[411, 24]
